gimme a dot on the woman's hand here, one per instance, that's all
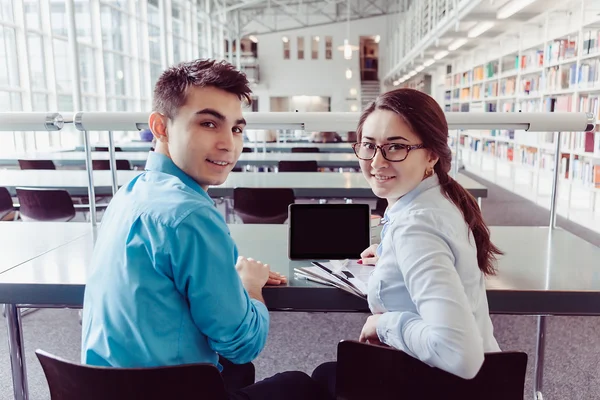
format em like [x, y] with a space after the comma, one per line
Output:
[369, 330]
[369, 255]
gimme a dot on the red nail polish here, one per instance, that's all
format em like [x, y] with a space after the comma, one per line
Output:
[359, 261]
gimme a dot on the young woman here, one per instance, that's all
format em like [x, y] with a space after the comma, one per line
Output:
[427, 291]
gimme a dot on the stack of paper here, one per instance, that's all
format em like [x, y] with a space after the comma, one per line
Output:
[347, 275]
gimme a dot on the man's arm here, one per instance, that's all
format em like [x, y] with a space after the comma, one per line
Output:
[203, 257]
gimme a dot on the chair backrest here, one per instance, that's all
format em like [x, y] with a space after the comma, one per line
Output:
[247, 150]
[105, 164]
[45, 204]
[36, 164]
[305, 150]
[367, 371]
[262, 205]
[6, 203]
[298, 166]
[380, 207]
[104, 148]
[70, 381]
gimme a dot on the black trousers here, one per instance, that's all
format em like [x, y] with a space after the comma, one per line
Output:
[290, 385]
[325, 375]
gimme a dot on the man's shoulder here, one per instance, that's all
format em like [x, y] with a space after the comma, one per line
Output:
[166, 200]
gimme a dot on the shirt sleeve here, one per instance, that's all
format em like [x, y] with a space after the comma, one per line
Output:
[203, 262]
[444, 333]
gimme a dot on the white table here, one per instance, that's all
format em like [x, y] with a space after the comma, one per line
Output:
[553, 274]
[138, 158]
[305, 184]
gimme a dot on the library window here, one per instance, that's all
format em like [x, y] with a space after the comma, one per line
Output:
[315, 48]
[286, 47]
[300, 47]
[328, 47]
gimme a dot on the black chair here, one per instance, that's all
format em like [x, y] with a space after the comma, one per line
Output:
[102, 148]
[6, 204]
[45, 204]
[241, 169]
[247, 150]
[36, 164]
[305, 150]
[71, 381]
[380, 207]
[367, 371]
[298, 166]
[262, 205]
[105, 164]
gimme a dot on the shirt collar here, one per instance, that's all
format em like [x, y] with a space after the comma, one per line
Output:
[160, 163]
[405, 200]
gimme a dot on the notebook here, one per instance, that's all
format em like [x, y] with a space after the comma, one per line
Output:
[347, 275]
[328, 231]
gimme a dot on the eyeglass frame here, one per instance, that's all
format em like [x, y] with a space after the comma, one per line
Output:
[408, 147]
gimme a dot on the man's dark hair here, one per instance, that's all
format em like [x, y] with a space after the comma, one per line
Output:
[171, 87]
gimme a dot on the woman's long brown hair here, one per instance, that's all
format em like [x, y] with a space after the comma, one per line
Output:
[426, 119]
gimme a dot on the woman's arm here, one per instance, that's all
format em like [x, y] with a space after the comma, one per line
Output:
[444, 333]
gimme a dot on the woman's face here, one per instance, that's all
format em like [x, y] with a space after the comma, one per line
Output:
[392, 180]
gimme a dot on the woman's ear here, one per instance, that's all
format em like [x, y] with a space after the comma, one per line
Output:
[158, 126]
[433, 158]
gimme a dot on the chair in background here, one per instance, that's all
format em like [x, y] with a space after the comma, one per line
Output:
[262, 205]
[36, 164]
[247, 150]
[298, 166]
[102, 148]
[502, 376]
[45, 204]
[380, 207]
[305, 150]
[71, 381]
[105, 164]
[7, 210]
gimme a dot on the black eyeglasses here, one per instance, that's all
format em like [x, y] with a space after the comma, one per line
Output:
[394, 152]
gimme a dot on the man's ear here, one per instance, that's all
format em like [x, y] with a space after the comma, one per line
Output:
[158, 126]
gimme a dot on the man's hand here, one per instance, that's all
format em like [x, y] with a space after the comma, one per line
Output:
[369, 255]
[275, 278]
[253, 274]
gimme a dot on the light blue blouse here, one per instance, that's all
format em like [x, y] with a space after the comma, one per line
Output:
[428, 285]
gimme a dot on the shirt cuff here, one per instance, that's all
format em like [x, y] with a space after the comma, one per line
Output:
[382, 326]
[261, 308]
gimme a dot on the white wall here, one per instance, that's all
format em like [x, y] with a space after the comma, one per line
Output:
[321, 77]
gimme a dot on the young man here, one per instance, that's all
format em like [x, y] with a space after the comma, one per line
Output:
[166, 284]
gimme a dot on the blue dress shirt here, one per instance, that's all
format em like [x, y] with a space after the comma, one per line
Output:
[162, 287]
[428, 285]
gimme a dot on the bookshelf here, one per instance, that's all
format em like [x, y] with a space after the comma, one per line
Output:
[560, 73]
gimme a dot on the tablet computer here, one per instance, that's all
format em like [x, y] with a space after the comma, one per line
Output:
[328, 231]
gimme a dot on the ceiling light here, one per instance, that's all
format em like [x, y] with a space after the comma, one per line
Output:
[396, 83]
[512, 7]
[317, 38]
[457, 43]
[480, 28]
[353, 92]
[429, 62]
[412, 73]
[348, 73]
[440, 55]
[405, 77]
[285, 39]
[353, 108]
[377, 38]
[419, 68]
[253, 38]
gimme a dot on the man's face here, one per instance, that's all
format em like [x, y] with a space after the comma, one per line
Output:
[205, 138]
